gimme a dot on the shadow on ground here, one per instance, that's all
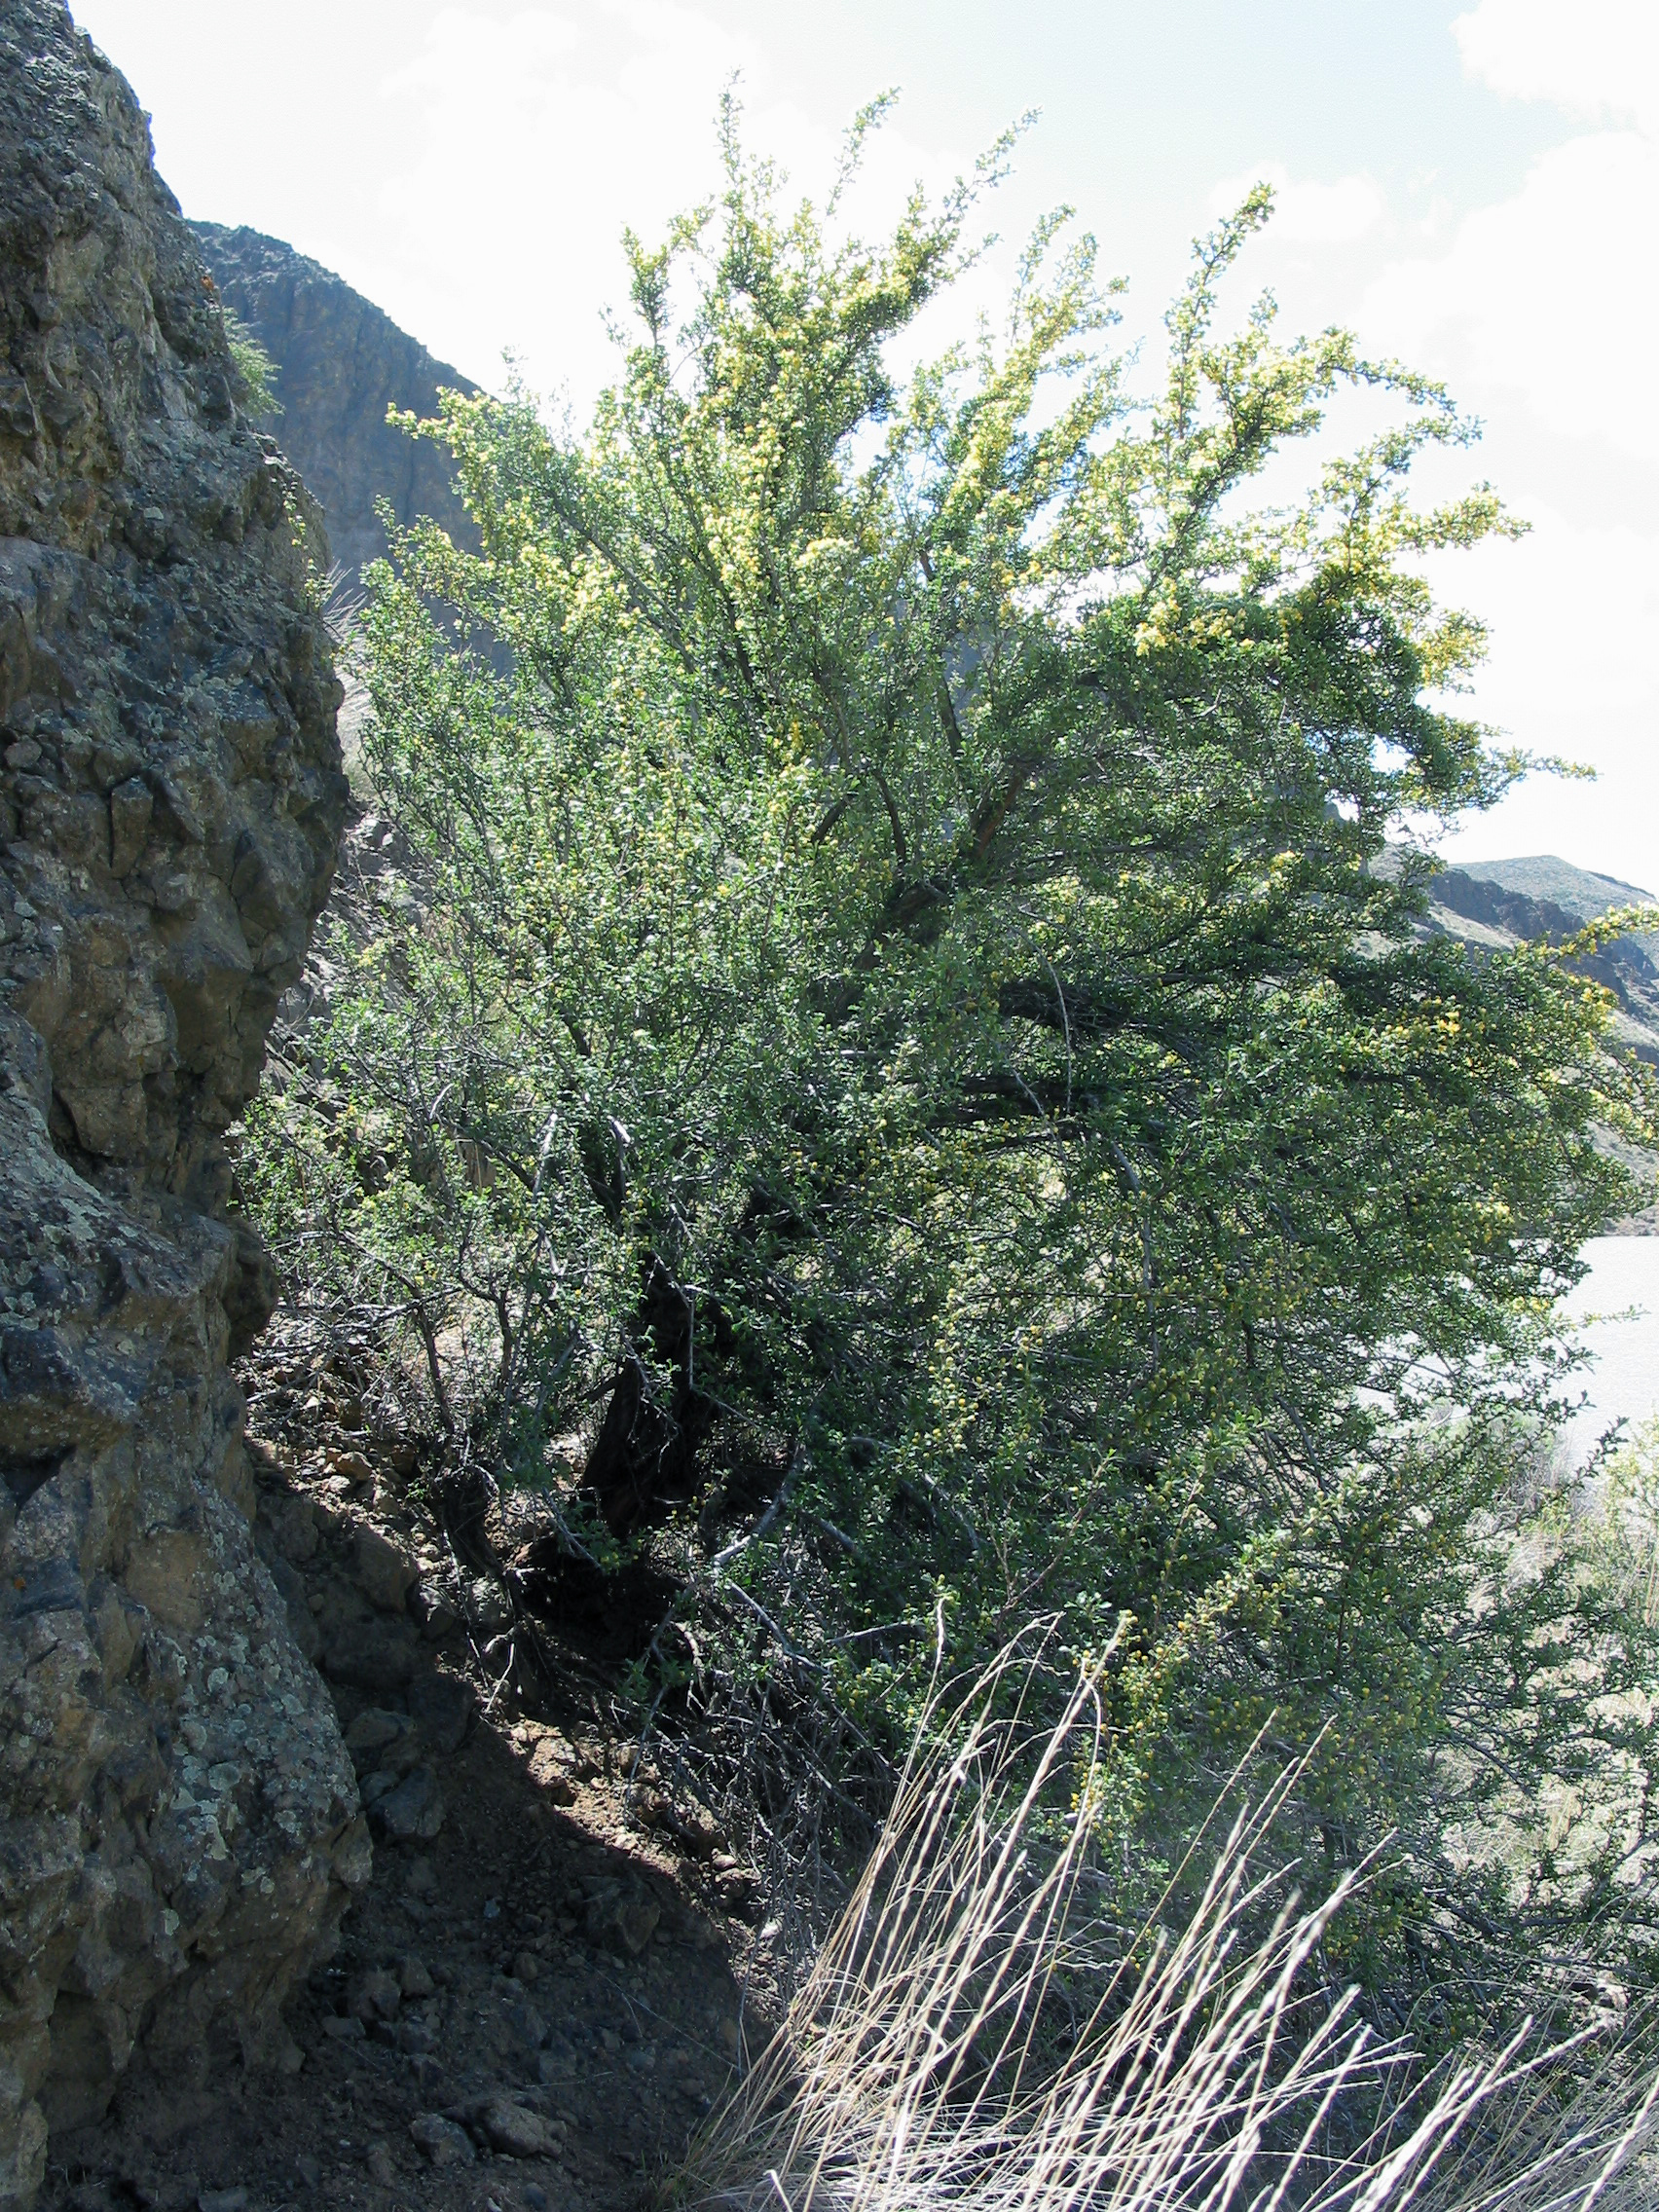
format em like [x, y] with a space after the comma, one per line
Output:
[534, 2004]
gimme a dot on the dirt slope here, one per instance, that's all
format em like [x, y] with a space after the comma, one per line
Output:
[538, 1995]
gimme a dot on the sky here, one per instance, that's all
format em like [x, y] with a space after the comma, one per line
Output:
[1473, 188]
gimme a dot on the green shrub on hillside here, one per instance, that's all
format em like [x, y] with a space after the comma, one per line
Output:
[903, 1042]
[255, 370]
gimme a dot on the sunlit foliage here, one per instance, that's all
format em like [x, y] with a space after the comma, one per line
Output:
[907, 1034]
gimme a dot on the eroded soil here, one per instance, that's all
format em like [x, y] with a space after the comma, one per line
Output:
[540, 1992]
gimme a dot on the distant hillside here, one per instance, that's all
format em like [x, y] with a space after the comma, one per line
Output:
[1497, 904]
[340, 364]
[1576, 891]
[1543, 876]
[1500, 903]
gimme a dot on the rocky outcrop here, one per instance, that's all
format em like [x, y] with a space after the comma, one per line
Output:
[340, 364]
[179, 1824]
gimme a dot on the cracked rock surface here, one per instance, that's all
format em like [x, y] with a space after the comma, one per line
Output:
[179, 1821]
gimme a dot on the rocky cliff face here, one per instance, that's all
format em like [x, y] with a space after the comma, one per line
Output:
[178, 1821]
[340, 364]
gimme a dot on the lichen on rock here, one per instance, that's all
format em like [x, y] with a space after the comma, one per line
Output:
[179, 1822]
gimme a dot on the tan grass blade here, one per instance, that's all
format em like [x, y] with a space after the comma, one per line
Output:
[922, 2065]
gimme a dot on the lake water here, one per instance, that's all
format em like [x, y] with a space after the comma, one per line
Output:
[1624, 1274]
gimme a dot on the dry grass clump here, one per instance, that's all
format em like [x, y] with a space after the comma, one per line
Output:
[976, 2032]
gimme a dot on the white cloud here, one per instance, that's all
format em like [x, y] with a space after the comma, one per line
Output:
[1547, 293]
[1543, 294]
[1572, 610]
[1306, 211]
[1539, 311]
[528, 141]
[1567, 601]
[575, 126]
[1594, 57]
